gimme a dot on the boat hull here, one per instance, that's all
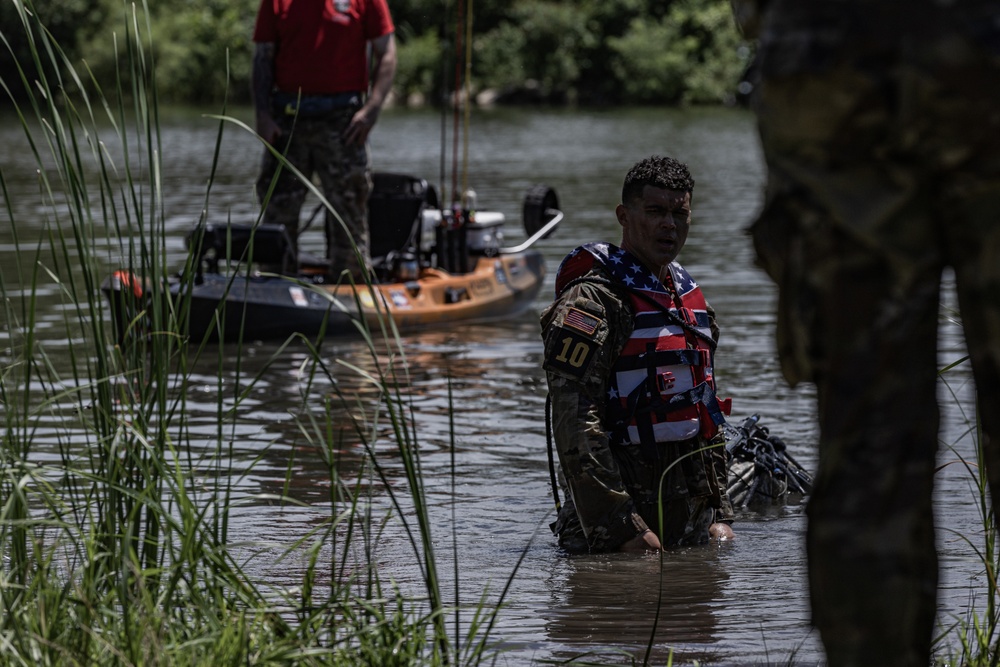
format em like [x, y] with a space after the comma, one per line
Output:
[262, 307]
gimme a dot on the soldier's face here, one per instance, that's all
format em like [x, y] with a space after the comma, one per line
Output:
[655, 227]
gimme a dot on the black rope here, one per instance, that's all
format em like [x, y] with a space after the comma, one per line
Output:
[552, 458]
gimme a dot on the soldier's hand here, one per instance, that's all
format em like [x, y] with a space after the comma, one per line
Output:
[361, 124]
[721, 531]
[647, 541]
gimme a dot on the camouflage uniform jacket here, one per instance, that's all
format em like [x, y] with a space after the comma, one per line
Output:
[592, 467]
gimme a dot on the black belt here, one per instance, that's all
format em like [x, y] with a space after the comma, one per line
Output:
[307, 106]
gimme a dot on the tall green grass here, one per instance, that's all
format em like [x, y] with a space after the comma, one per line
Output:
[117, 551]
[974, 640]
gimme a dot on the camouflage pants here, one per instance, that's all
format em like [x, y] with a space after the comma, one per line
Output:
[884, 168]
[693, 498]
[314, 146]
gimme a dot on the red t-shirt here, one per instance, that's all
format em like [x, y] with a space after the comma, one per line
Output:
[320, 45]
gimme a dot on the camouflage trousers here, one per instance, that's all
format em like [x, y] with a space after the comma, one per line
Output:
[884, 169]
[315, 147]
[693, 493]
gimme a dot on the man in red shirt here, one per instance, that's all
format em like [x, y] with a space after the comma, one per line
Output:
[315, 106]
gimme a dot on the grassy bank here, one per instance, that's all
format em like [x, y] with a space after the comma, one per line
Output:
[974, 640]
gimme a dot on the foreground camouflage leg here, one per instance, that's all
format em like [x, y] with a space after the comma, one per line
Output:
[870, 539]
[858, 263]
[863, 324]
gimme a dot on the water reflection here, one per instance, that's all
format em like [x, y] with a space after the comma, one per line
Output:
[296, 410]
[596, 597]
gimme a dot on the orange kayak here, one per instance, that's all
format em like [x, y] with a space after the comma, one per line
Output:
[443, 267]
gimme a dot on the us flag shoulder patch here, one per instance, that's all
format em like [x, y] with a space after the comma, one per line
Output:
[581, 321]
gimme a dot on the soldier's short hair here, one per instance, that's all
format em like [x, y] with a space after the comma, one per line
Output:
[658, 171]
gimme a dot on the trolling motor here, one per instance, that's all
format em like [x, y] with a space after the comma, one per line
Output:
[761, 471]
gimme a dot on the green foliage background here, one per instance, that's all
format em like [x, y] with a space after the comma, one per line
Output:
[589, 52]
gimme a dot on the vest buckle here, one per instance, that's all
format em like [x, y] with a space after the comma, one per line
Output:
[665, 382]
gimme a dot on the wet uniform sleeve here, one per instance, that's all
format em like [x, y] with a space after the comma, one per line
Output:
[583, 332]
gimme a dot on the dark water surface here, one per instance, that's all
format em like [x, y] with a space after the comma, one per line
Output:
[743, 602]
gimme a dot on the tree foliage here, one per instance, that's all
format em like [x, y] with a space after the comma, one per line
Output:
[67, 22]
[691, 55]
[554, 51]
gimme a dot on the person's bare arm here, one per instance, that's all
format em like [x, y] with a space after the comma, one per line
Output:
[384, 56]
[263, 83]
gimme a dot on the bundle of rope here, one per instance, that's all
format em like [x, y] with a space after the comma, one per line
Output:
[761, 470]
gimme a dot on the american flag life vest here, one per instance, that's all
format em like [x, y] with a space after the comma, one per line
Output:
[661, 387]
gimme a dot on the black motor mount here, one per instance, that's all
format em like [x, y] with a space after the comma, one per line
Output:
[541, 205]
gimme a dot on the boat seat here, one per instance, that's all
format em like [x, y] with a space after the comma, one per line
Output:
[272, 245]
[394, 212]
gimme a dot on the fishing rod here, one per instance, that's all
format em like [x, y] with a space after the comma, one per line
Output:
[456, 102]
[461, 109]
[467, 101]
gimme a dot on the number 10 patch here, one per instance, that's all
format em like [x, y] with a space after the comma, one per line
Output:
[571, 347]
